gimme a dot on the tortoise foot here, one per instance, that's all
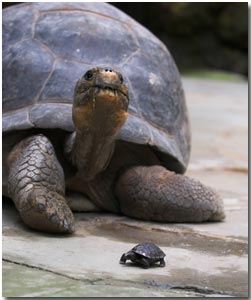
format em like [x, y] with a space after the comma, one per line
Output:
[162, 263]
[47, 211]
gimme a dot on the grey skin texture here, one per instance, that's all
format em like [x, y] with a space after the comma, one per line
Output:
[144, 255]
[118, 141]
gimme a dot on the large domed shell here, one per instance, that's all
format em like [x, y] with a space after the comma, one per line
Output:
[47, 47]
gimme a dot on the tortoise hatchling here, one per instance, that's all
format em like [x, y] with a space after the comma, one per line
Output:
[145, 255]
[118, 142]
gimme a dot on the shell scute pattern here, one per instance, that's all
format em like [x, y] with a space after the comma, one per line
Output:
[47, 47]
[149, 250]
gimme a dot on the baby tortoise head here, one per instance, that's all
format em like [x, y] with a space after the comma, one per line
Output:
[100, 97]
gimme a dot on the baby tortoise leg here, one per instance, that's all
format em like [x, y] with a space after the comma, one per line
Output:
[154, 193]
[143, 262]
[162, 262]
[36, 185]
[123, 259]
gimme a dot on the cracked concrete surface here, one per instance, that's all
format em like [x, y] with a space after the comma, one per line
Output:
[41, 283]
[208, 259]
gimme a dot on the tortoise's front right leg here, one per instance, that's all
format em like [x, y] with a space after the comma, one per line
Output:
[36, 185]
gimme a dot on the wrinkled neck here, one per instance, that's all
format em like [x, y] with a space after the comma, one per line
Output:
[90, 153]
[97, 122]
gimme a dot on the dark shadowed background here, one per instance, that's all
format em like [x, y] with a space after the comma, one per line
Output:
[201, 36]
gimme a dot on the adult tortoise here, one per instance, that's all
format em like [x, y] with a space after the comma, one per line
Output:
[94, 148]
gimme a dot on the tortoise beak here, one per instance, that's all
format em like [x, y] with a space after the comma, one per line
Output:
[111, 81]
[104, 85]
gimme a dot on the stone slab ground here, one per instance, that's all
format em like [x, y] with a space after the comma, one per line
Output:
[208, 259]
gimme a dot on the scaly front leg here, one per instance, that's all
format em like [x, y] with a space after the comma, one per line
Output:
[36, 185]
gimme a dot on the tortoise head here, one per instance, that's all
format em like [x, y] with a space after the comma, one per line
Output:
[100, 102]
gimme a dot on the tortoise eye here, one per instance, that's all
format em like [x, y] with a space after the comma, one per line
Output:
[88, 75]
